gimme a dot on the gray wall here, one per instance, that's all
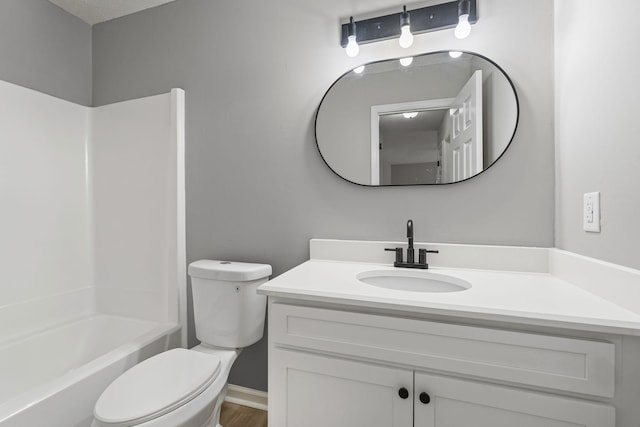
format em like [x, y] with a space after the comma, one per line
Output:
[254, 73]
[44, 48]
[596, 114]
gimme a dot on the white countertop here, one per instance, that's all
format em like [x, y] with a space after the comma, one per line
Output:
[531, 298]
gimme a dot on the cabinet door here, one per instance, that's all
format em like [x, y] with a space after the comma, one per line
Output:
[461, 403]
[310, 390]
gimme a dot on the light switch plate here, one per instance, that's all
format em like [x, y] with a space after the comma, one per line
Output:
[591, 212]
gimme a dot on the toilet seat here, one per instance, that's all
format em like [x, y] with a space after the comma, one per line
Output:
[156, 387]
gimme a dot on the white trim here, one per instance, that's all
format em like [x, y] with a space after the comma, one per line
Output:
[247, 397]
[178, 131]
[377, 110]
[375, 146]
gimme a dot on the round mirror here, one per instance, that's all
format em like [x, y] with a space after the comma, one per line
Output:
[437, 118]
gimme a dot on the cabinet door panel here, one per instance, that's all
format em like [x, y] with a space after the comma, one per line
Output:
[319, 391]
[456, 403]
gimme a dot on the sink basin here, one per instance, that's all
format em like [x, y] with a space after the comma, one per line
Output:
[414, 281]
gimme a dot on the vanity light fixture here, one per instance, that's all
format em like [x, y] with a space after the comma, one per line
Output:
[406, 38]
[406, 24]
[352, 47]
[410, 115]
[455, 54]
[405, 62]
[463, 29]
[359, 70]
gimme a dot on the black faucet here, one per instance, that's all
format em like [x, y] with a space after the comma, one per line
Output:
[411, 263]
[410, 250]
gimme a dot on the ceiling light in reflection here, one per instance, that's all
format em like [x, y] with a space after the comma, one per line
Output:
[410, 115]
[455, 54]
[359, 70]
[406, 61]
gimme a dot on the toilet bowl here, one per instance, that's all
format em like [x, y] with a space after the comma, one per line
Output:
[187, 387]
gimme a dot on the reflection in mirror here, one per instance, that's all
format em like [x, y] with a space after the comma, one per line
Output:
[409, 135]
[438, 121]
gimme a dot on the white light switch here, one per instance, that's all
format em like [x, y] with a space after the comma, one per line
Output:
[591, 212]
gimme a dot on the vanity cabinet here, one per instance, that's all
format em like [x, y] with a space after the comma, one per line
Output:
[320, 391]
[457, 403]
[341, 368]
[311, 390]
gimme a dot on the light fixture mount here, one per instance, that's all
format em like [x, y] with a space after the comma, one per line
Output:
[464, 7]
[423, 20]
[405, 18]
[351, 28]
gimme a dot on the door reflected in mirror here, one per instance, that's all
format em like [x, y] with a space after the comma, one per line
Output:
[439, 121]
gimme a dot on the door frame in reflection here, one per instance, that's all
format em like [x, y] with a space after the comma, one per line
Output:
[403, 107]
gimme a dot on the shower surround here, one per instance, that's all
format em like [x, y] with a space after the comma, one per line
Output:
[92, 270]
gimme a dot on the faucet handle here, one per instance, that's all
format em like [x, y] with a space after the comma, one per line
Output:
[422, 255]
[398, 252]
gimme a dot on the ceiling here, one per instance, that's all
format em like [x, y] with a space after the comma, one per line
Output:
[95, 11]
[425, 121]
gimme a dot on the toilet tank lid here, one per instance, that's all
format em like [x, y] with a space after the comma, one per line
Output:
[229, 270]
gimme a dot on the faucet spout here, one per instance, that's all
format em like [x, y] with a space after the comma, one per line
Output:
[411, 259]
[410, 250]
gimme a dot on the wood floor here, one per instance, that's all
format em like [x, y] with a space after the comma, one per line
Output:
[241, 416]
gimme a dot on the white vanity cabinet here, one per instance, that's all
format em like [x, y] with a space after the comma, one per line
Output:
[340, 368]
[311, 390]
[459, 403]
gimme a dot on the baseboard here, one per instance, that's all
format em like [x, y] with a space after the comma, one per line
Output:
[247, 397]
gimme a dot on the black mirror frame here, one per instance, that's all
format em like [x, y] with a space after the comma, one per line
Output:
[515, 127]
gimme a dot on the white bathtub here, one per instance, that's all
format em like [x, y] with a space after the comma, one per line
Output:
[53, 377]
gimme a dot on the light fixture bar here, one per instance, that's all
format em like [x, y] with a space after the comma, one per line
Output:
[423, 20]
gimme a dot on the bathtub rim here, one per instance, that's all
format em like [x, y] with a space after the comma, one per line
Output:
[31, 397]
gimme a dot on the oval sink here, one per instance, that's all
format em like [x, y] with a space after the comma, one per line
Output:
[414, 281]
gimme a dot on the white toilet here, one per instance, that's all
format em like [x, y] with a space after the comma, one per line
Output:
[187, 387]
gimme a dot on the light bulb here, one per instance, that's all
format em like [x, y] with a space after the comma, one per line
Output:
[406, 38]
[406, 61]
[410, 115]
[359, 70]
[463, 29]
[352, 48]
[455, 54]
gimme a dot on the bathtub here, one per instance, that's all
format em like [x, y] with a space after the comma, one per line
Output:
[53, 377]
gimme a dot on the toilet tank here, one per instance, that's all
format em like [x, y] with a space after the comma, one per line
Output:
[227, 310]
